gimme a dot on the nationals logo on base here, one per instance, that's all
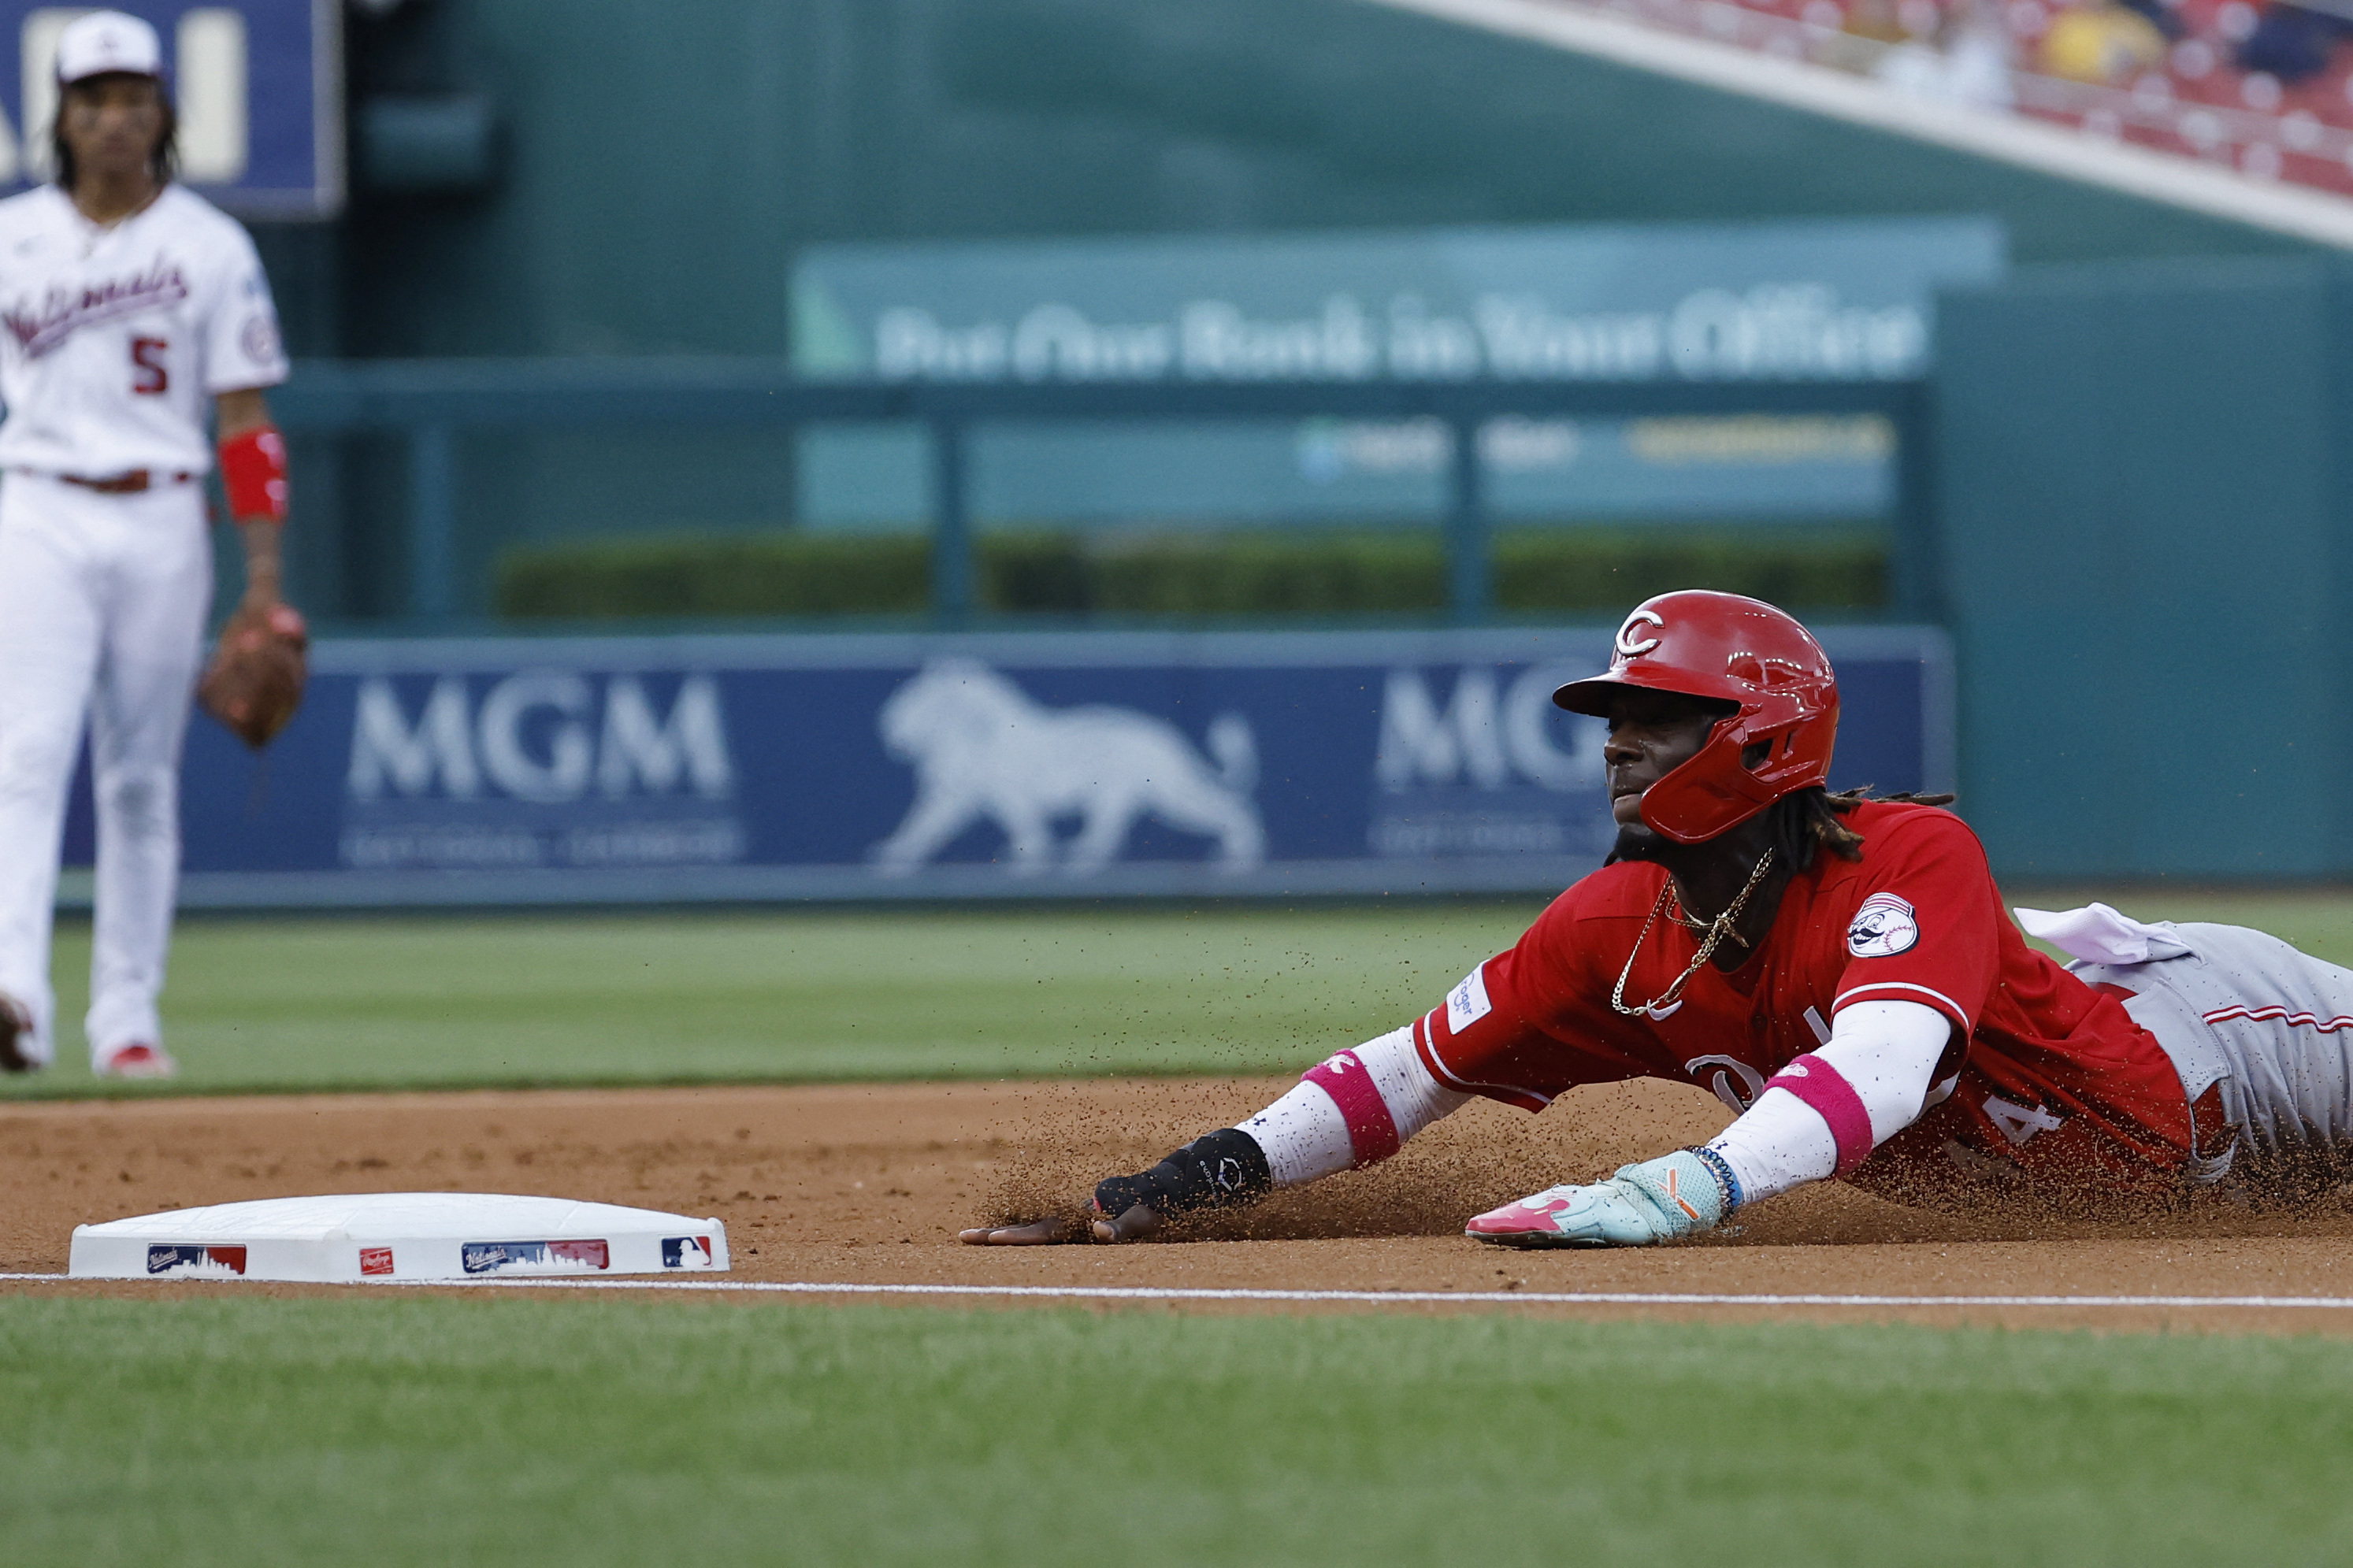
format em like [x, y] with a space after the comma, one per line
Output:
[198, 1262]
[561, 1256]
[1884, 927]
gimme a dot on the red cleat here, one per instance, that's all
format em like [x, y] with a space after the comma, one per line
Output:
[137, 1061]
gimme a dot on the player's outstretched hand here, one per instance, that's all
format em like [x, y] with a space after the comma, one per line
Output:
[1134, 1225]
[1217, 1170]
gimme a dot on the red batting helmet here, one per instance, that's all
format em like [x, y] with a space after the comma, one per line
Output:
[1731, 649]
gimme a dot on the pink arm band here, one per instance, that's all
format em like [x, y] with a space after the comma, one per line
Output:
[1828, 1093]
[1372, 1131]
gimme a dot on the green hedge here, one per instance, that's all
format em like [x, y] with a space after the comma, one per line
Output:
[683, 574]
[1540, 569]
[1537, 571]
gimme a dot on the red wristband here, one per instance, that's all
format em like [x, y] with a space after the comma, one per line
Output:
[253, 472]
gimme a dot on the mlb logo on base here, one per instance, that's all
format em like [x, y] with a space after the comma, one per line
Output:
[686, 1252]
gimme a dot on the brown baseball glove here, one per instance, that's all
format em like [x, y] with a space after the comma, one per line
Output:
[255, 681]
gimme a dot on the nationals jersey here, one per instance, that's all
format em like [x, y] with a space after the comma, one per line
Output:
[2049, 1080]
[112, 339]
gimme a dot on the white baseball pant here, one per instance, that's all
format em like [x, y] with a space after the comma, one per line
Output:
[104, 600]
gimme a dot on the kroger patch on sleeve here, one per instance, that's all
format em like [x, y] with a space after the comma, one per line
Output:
[1467, 1003]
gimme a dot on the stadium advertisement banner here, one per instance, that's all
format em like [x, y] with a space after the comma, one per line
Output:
[1830, 301]
[1082, 765]
[258, 84]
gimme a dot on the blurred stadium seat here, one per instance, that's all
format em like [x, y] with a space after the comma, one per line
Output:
[2267, 90]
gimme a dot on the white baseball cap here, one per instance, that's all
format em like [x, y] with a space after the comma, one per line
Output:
[107, 41]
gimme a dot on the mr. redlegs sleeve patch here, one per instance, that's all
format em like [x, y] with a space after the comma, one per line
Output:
[1883, 926]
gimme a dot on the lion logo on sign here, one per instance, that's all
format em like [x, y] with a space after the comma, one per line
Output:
[984, 749]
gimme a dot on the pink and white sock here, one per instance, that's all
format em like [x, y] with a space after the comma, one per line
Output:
[1349, 1110]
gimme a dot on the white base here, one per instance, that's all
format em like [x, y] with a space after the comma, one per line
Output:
[374, 1237]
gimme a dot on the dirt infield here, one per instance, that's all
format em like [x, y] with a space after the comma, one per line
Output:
[869, 1183]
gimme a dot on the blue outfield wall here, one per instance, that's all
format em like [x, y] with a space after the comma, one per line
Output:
[988, 765]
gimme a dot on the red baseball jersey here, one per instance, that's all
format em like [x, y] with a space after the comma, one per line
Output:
[2053, 1083]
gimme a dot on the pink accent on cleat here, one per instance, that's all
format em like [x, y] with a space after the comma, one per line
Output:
[1529, 1218]
[137, 1061]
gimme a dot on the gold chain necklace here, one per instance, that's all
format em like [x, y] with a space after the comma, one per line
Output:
[1697, 927]
[1717, 929]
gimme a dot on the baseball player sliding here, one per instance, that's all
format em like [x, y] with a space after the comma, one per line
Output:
[129, 306]
[1838, 969]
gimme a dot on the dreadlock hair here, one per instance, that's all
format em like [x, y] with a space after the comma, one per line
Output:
[163, 162]
[1809, 820]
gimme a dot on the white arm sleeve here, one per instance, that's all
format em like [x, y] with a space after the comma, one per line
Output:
[1886, 1051]
[1304, 1135]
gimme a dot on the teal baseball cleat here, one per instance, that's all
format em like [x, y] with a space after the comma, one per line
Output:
[1665, 1199]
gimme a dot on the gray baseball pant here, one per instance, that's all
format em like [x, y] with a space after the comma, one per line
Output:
[2273, 1027]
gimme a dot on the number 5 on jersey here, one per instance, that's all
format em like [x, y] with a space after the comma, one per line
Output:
[148, 375]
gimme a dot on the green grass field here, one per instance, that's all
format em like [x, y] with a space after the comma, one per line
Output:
[326, 1003]
[391, 1428]
[334, 1003]
[396, 1430]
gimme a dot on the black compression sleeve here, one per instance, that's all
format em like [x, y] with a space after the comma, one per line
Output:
[1225, 1169]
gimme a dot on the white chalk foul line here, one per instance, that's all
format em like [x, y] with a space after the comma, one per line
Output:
[1373, 1297]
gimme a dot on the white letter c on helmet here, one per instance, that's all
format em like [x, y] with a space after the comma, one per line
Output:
[1628, 647]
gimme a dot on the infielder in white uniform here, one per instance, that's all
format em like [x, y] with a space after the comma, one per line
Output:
[128, 307]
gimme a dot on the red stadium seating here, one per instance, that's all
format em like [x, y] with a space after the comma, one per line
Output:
[2174, 75]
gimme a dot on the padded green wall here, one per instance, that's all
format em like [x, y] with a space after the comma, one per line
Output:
[2146, 511]
[666, 160]
[663, 162]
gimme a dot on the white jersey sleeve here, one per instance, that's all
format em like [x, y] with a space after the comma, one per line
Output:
[113, 340]
[239, 335]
